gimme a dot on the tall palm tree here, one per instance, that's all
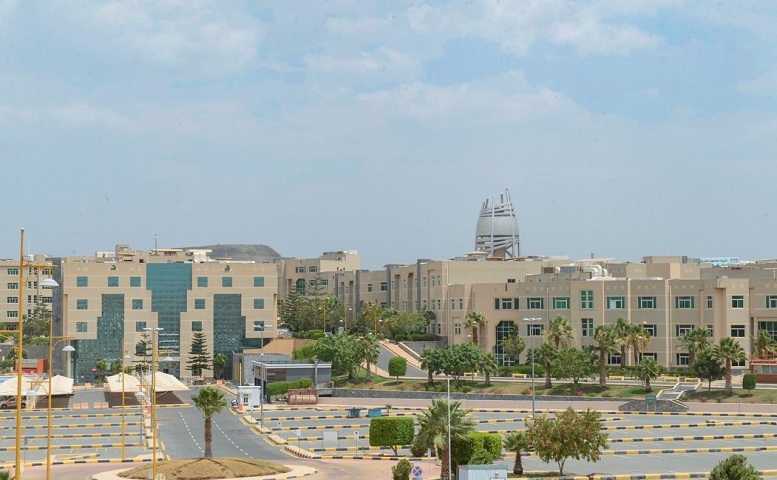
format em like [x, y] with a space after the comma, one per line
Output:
[488, 365]
[560, 333]
[727, 351]
[606, 343]
[210, 401]
[647, 370]
[475, 321]
[433, 429]
[516, 442]
[622, 330]
[639, 339]
[370, 352]
[546, 354]
[695, 341]
[763, 344]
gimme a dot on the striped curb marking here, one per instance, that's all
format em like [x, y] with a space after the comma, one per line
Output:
[746, 436]
[67, 447]
[687, 425]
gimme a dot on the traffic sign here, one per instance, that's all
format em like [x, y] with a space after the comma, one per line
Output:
[417, 471]
[650, 399]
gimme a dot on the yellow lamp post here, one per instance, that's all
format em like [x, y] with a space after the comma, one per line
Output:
[154, 349]
[123, 405]
[67, 349]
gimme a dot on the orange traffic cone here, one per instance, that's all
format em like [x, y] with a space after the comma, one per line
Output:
[239, 408]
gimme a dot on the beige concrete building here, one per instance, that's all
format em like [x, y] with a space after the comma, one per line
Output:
[108, 300]
[36, 269]
[311, 274]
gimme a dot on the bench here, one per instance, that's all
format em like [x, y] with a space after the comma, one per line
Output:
[520, 375]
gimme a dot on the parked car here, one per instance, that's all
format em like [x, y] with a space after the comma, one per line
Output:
[9, 401]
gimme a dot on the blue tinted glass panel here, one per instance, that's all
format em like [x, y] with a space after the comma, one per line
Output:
[226, 281]
[82, 281]
[134, 281]
[202, 281]
[113, 281]
[258, 281]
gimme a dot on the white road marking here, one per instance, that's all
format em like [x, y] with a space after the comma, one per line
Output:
[230, 440]
[190, 432]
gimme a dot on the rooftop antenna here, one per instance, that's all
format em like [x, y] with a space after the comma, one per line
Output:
[156, 247]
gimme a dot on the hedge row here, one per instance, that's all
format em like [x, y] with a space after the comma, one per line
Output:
[280, 388]
[391, 431]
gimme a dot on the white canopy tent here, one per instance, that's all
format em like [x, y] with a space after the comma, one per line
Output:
[131, 383]
[60, 385]
[166, 383]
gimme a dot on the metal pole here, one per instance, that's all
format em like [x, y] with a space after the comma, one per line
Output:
[48, 413]
[123, 417]
[154, 431]
[449, 429]
[261, 399]
[530, 322]
[19, 357]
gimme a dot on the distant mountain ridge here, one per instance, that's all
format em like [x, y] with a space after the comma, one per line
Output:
[242, 252]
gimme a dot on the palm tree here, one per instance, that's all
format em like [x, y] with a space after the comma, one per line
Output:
[210, 401]
[763, 344]
[475, 321]
[727, 351]
[639, 339]
[560, 333]
[488, 365]
[622, 329]
[695, 341]
[647, 370]
[434, 428]
[219, 364]
[606, 343]
[516, 442]
[100, 368]
[546, 354]
[370, 352]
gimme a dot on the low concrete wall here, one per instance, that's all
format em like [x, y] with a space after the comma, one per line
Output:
[660, 406]
[353, 393]
[419, 347]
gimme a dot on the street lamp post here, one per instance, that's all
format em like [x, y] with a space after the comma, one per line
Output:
[154, 353]
[531, 320]
[67, 349]
[123, 406]
[261, 327]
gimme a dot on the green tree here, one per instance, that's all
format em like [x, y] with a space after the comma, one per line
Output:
[569, 435]
[370, 351]
[397, 367]
[12, 353]
[344, 351]
[639, 339]
[560, 333]
[574, 364]
[546, 354]
[210, 401]
[734, 467]
[606, 338]
[476, 322]
[622, 330]
[305, 352]
[391, 432]
[728, 351]
[199, 357]
[434, 429]
[101, 367]
[512, 346]
[517, 443]
[219, 364]
[763, 344]
[402, 470]
[143, 349]
[647, 370]
[706, 367]
[459, 359]
[695, 341]
[488, 365]
[431, 361]
[38, 323]
[749, 382]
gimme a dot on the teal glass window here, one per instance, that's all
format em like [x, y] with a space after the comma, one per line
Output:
[82, 281]
[258, 281]
[134, 281]
[226, 281]
[199, 304]
[137, 304]
[196, 326]
[202, 282]
[139, 326]
[81, 327]
[258, 303]
[82, 304]
[113, 281]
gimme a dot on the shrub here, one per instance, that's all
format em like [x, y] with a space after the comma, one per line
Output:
[400, 337]
[280, 388]
[391, 431]
[479, 446]
[397, 367]
[734, 467]
[401, 471]
[316, 334]
[748, 382]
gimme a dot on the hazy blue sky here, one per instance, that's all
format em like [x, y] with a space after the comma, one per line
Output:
[621, 128]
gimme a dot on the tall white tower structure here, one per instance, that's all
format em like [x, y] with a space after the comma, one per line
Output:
[497, 229]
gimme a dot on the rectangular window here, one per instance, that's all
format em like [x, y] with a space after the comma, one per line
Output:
[299, 270]
[534, 330]
[226, 281]
[137, 304]
[457, 329]
[561, 303]
[258, 303]
[134, 281]
[738, 301]
[652, 355]
[682, 329]
[13, 271]
[202, 282]
[313, 269]
[771, 301]
[740, 363]
[82, 304]
[383, 286]
[258, 281]
[614, 359]
[507, 304]
[423, 282]
[139, 326]
[199, 304]
[369, 287]
[615, 303]
[738, 331]
[683, 302]
[588, 327]
[259, 325]
[81, 327]
[587, 299]
[82, 281]
[196, 326]
[652, 329]
[683, 359]
[646, 302]
[709, 301]
[535, 303]
[12, 314]
[461, 304]
[12, 286]
[113, 281]
[12, 300]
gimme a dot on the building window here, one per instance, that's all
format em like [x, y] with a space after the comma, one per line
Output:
[258, 303]
[738, 331]
[682, 329]
[13, 271]
[226, 282]
[683, 359]
[299, 270]
[738, 301]
[740, 363]
[561, 303]
[588, 327]
[196, 326]
[299, 285]
[683, 302]
[258, 281]
[383, 286]
[646, 302]
[709, 301]
[651, 329]
[461, 304]
[113, 281]
[534, 330]
[615, 303]
[259, 325]
[202, 282]
[12, 314]
[12, 300]
[313, 269]
[199, 304]
[81, 327]
[535, 303]
[139, 326]
[12, 286]
[82, 304]
[503, 304]
[137, 304]
[614, 359]
[134, 281]
[587, 299]
[369, 287]
[771, 301]
[457, 329]
[652, 355]
[82, 281]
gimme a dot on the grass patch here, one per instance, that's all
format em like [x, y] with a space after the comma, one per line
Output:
[208, 469]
